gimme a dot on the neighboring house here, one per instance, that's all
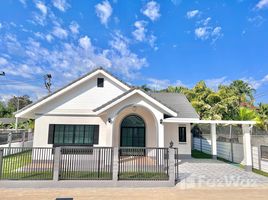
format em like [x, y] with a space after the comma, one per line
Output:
[100, 110]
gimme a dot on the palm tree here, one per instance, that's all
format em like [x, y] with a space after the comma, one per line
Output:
[246, 114]
[243, 90]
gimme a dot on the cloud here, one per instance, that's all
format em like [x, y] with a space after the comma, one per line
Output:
[206, 31]
[59, 32]
[104, 11]
[158, 84]
[215, 82]
[256, 20]
[42, 7]
[85, 43]
[74, 27]
[152, 10]
[62, 5]
[139, 33]
[262, 4]
[202, 33]
[256, 83]
[191, 14]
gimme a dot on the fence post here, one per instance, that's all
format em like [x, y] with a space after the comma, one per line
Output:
[9, 140]
[171, 166]
[1, 161]
[23, 138]
[56, 166]
[115, 164]
[259, 156]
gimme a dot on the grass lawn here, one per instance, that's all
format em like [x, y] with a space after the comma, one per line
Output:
[12, 164]
[143, 176]
[260, 172]
[83, 175]
[200, 155]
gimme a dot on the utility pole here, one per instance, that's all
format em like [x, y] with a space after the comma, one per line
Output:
[47, 79]
[2, 73]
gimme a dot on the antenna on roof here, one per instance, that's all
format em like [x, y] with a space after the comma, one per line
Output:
[47, 79]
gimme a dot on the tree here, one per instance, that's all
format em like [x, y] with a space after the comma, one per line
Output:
[262, 112]
[18, 103]
[145, 88]
[243, 90]
[246, 114]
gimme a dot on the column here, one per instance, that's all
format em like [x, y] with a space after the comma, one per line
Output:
[247, 147]
[213, 134]
[56, 166]
[161, 136]
[171, 166]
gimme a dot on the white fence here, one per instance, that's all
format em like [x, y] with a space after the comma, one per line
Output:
[232, 152]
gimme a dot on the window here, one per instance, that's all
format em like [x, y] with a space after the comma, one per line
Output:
[60, 134]
[182, 134]
[100, 82]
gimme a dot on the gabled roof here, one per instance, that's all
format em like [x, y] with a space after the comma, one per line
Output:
[128, 94]
[70, 86]
[177, 102]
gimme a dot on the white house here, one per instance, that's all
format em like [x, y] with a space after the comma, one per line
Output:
[100, 110]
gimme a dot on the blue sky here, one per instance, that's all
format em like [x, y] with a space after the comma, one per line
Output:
[159, 43]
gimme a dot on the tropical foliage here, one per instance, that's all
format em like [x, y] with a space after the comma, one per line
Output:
[229, 102]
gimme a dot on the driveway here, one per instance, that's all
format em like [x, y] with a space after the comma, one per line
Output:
[208, 172]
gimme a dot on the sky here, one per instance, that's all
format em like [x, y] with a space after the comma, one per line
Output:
[153, 42]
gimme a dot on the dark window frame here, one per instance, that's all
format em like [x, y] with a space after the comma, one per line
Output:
[95, 134]
[182, 130]
[100, 82]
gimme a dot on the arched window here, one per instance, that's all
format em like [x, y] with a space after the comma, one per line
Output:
[132, 132]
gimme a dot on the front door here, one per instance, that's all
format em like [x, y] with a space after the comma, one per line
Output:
[132, 134]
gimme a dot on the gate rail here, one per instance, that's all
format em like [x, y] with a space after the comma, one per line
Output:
[143, 163]
[86, 163]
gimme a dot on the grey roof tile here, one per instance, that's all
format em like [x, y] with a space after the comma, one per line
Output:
[177, 102]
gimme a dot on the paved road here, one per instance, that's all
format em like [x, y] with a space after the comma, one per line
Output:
[136, 194]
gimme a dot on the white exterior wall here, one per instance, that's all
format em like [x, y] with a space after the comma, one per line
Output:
[83, 98]
[144, 109]
[172, 134]
[42, 124]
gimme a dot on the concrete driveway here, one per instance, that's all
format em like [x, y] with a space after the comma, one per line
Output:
[208, 172]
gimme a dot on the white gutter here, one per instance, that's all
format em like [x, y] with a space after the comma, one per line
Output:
[198, 121]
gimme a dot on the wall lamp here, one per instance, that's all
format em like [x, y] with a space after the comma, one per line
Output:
[109, 120]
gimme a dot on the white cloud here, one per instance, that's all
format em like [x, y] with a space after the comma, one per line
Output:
[74, 27]
[262, 4]
[202, 33]
[23, 2]
[42, 7]
[59, 32]
[158, 84]
[256, 83]
[1, 26]
[85, 42]
[140, 34]
[192, 14]
[140, 31]
[104, 11]
[62, 5]
[49, 37]
[152, 10]
[215, 82]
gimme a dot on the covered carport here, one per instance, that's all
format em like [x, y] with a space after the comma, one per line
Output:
[246, 131]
